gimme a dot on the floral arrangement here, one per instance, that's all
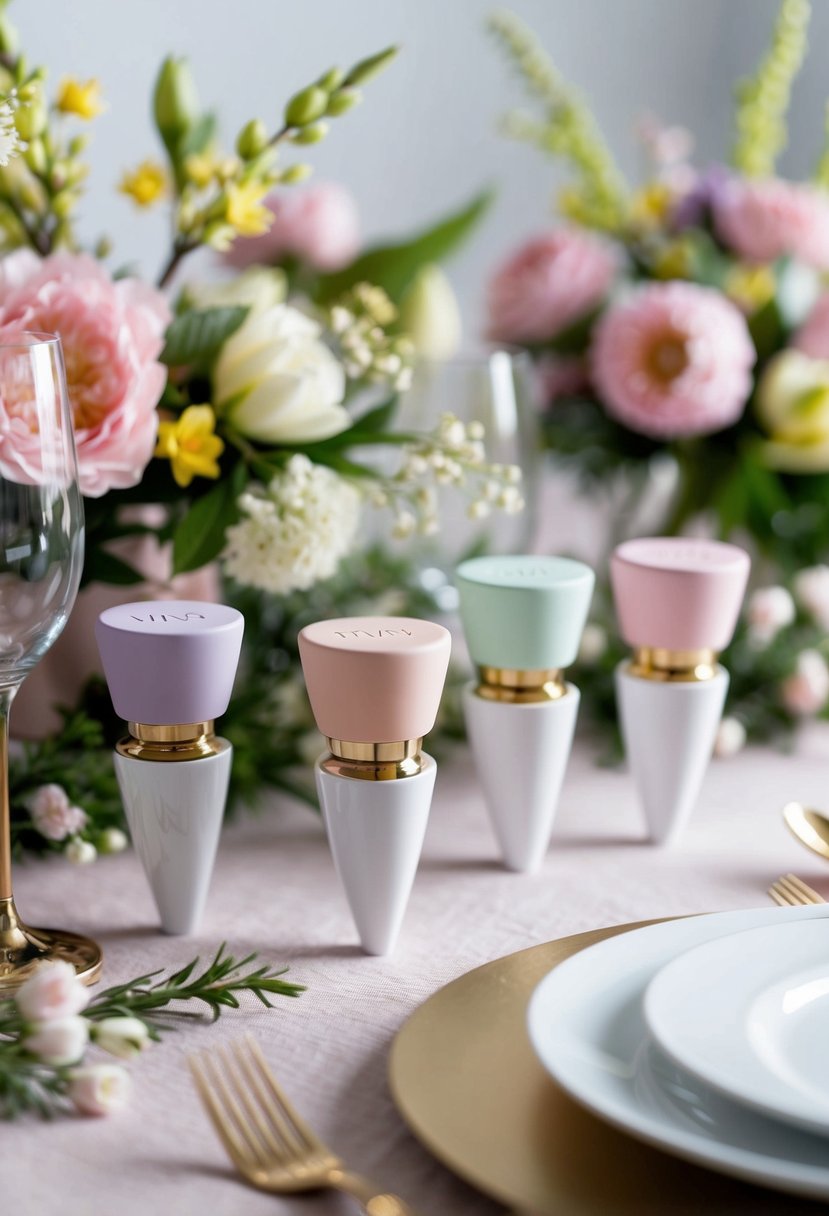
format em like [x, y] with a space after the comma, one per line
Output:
[246, 421]
[48, 1026]
[681, 334]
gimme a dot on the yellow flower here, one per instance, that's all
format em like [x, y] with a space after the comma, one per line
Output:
[650, 205]
[674, 260]
[201, 168]
[82, 98]
[191, 444]
[244, 210]
[146, 184]
[792, 405]
[750, 287]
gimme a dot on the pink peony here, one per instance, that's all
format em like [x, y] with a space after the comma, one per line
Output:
[764, 220]
[112, 334]
[319, 225]
[548, 284]
[673, 360]
[813, 336]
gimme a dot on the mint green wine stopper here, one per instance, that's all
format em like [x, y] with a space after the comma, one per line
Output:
[524, 613]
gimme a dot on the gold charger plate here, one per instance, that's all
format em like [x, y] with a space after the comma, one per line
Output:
[466, 1080]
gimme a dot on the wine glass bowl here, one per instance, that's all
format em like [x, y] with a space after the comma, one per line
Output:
[41, 557]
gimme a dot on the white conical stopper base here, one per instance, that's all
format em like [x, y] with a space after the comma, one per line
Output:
[669, 732]
[521, 754]
[175, 811]
[376, 830]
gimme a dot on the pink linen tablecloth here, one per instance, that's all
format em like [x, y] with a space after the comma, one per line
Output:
[275, 891]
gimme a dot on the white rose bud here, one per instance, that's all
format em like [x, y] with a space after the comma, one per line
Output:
[731, 738]
[58, 1042]
[124, 1037]
[113, 840]
[80, 852]
[770, 609]
[52, 992]
[99, 1089]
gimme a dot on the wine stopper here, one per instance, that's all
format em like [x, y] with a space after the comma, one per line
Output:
[677, 603]
[523, 618]
[375, 685]
[170, 666]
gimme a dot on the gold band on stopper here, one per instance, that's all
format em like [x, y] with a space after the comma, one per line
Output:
[188, 741]
[520, 687]
[673, 666]
[374, 761]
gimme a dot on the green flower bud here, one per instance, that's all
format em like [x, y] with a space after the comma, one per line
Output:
[367, 68]
[31, 118]
[295, 173]
[331, 80]
[103, 247]
[306, 106]
[9, 37]
[78, 144]
[35, 156]
[63, 203]
[252, 139]
[342, 101]
[312, 134]
[175, 103]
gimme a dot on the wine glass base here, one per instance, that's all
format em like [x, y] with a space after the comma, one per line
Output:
[23, 949]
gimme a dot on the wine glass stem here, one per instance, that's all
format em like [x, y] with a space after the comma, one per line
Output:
[6, 698]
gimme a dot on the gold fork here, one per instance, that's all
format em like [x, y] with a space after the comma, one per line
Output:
[791, 891]
[270, 1145]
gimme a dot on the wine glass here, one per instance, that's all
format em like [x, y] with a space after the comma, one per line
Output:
[41, 556]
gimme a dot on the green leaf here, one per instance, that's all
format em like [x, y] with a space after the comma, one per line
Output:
[200, 536]
[393, 266]
[103, 567]
[768, 332]
[377, 419]
[202, 133]
[196, 335]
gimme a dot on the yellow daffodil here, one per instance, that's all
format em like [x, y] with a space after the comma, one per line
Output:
[750, 287]
[82, 98]
[244, 210]
[146, 184]
[191, 444]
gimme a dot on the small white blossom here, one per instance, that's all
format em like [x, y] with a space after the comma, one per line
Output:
[113, 840]
[593, 643]
[124, 1036]
[770, 609]
[80, 852]
[58, 1042]
[10, 142]
[730, 739]
[811, 590]
[99, 1089]
[806, 691]
[295, 532]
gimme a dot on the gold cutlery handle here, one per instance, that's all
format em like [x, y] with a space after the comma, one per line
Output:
[373, 1201]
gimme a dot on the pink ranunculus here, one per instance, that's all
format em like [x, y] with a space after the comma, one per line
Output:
[112, 334]
[813, 336]
[767, 219]
[319, 225]
[552, 281]
[673, 360]
[53, 991]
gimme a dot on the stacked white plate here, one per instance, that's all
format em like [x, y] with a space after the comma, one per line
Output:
[707, 1037]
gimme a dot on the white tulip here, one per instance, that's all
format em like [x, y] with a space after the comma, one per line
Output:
[276, 382]
[257, 288]
[124, 1037]
[99, 1089]
[430, 316]
[58, 1042]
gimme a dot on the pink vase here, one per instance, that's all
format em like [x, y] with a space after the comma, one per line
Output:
[61, 675]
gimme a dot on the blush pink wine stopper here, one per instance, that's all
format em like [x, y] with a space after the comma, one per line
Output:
[375, 685]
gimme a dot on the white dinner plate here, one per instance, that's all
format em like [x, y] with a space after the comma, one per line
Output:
[587, 1026]
[749, 1015]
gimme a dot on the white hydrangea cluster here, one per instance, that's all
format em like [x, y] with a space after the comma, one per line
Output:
[359, 321]
[453, 455]
[295, 531]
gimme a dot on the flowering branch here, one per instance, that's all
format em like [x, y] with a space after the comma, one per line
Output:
[43, 1036]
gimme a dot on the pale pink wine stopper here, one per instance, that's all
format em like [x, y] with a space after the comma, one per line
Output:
[677, 593]
[170, 662]
[375, 679]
